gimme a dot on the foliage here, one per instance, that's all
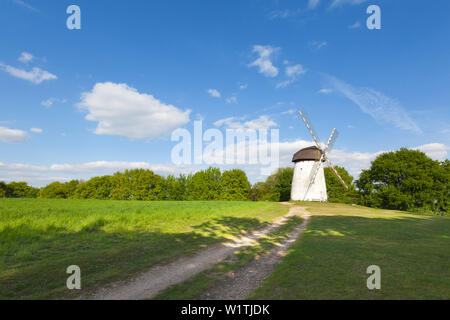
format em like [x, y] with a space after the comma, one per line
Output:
[235, 185]
[95, 188]
[282, 183]
[260, 192]
[141, 184]
[204, 185]
[277, 186]
[137, 184]
[174, 188]
[58, 190]
[335, 190]
[19, 190]
[3, 189]
[406, 180]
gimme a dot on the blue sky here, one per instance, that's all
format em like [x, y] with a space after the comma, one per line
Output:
[78, 103]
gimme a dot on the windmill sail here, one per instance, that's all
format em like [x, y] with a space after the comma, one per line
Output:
[309, 162]
[337, 174]
[310, 128]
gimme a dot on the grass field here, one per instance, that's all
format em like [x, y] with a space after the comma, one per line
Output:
[113, 240]
[109, 240]
[331, 258]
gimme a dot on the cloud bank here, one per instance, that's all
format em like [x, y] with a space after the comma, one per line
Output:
[121, 110]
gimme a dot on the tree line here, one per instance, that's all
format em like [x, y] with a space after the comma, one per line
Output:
[142, 184]
[403, 180]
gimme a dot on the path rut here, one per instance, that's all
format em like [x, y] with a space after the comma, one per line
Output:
[240, 284]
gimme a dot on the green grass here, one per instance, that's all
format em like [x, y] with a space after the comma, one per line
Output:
[109, 240]
[330, 260]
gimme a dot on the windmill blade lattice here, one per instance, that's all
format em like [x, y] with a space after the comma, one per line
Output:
[331, 141]
[310, 128]
[312, 177]
[336, 173]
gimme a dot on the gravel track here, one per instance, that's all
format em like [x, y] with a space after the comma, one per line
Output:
[160, 277]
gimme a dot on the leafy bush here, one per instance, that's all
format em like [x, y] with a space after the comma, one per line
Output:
[19, 190]
[204, 185]
[95, 188]
[235, 185]
[137, 184]
[406, 180]
[336, 191]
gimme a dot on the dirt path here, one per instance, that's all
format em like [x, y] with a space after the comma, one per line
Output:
[160, 277]
[240, 284]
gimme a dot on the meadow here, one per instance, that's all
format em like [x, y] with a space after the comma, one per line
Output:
[330, 260]
[109, 240]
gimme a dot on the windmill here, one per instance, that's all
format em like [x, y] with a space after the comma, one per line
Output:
[308, 183]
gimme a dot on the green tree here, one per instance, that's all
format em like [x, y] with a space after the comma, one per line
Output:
[235, 185]
[335, 190]
[20, 190]
[204, 185]
[173, 188]
[282, 184]
[55, 190]
[260, 192]
[95, 188]
[70, 187]
[3, 189]
[405, 180]
[136, 184]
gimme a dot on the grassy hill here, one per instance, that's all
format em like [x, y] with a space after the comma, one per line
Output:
[109, 240]
[331, 258]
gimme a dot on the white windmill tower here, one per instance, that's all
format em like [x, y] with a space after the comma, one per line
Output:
[308, 183]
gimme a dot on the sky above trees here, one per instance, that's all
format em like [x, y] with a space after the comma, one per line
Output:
[81, 103]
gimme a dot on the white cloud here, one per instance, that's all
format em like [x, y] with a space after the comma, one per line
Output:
[37, 175]
[214, 93]
[243, 86]
[264, 62]
[263, 122]
[232, 99]
[290, 111]
[355, 161]
[36, 75]
[36, 130]
[12, 135]
[317, 45]
[312, 4]
[337, 3]
[122, 111]
[26, 5]
[42, 175]
[26, 57]
[356, 25]
[283, 84]
[325, 91]
[49, 102]
[380, 107]
[292, 72]
[436, 151]
[284, 14]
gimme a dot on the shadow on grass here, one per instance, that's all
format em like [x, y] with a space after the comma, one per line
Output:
[33, 262]
[331, 259]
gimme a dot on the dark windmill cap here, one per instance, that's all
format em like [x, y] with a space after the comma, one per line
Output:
[308, 154]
